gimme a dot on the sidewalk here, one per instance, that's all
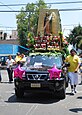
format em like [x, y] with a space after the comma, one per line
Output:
[4, 76]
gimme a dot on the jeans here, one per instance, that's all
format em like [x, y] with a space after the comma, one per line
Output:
[10, 74]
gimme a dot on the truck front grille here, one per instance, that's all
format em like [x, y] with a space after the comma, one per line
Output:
[37, 76]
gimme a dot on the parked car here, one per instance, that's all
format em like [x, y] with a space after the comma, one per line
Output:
[37, 77]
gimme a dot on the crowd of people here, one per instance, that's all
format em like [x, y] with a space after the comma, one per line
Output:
[10, 62]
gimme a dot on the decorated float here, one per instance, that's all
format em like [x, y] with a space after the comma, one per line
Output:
[57, 44]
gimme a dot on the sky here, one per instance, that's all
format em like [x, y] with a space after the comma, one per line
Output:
[69, 19]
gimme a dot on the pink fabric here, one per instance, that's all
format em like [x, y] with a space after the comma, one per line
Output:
[18, 72]
[54, 72]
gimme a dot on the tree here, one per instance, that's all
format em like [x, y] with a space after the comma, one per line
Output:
[28, 21]
[79, 42]
[75, 37]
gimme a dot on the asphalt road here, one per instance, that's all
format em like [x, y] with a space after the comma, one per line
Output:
[37, 104]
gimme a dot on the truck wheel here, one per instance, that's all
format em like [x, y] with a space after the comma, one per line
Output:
[19, 93]
[60, 94]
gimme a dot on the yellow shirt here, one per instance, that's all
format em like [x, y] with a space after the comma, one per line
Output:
[18, 58]
[74, 61]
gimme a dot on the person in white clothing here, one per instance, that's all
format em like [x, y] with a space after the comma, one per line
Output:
[9, 63]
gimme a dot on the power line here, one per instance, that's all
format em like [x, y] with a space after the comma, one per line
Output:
[14, 5]
[62, 25]
[7, 6]
[74, 9]
[72, 25]
[6, 27]
[7, 30]
[75, 2]
[65, 2]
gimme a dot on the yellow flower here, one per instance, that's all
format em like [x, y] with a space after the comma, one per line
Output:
[60, 32]
[29, 34]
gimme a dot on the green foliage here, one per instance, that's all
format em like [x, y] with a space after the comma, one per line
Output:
[79, 42]
[47, 53]
[30, 40]
[75, 37]
[28, 21]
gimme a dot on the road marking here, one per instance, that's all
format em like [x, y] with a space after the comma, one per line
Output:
[3, 103]
[31, 110]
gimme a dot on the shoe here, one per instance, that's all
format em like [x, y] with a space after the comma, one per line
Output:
[72, 93]
[75, 91]
[10, 81]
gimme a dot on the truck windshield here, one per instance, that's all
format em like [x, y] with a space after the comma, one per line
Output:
[46, 60]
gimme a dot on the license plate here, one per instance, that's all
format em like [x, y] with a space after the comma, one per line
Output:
[35, 85]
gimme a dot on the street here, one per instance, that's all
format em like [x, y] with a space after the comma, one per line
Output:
[37, 104]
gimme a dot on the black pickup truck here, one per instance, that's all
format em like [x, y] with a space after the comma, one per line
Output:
[37, 78]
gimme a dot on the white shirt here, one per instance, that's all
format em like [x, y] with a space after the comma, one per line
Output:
[9, 62]
[23, 59]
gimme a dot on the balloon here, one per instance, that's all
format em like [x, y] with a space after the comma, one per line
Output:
[54, 72]
[18, 72]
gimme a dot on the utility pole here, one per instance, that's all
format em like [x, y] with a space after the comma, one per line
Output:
[29, 21]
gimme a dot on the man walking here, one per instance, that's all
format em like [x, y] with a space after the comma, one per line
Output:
[74, 61]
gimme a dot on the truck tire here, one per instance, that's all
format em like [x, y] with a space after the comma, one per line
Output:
[60, 94]
[19, 93]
